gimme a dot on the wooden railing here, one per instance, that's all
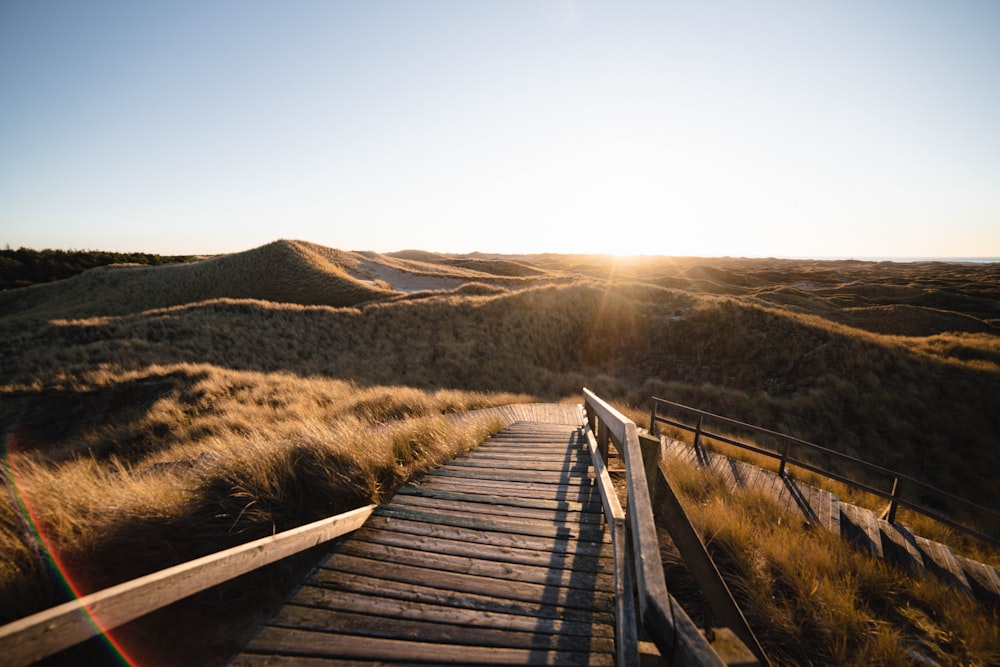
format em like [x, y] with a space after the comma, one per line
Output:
[678, 639]
[48, 632]
[788, 451]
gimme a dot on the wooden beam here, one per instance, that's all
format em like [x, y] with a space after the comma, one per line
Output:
[626, 630]
[670, 628]
[699, 562]
[48, 632]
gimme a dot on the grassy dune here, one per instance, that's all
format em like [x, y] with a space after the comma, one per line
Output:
[193, 406]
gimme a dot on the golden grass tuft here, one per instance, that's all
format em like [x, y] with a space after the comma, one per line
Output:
[209, 458]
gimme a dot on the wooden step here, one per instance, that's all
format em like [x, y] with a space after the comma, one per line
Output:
[983, 579]
[940, 560]
[900, 547]
[820, 508]
[859, 526]
[299, 644]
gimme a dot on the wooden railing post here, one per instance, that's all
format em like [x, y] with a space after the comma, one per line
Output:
[650, 448]
[603, 438]
[890, 515]
[784, 457]
[654, 428]
[697, 432]
[669, 510]
[668, 625]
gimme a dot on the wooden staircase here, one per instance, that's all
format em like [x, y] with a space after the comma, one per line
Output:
[893, 542]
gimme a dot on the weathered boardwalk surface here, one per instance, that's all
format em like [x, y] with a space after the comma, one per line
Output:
[498, 557]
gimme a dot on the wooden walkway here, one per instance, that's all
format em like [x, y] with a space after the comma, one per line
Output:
[498, 557]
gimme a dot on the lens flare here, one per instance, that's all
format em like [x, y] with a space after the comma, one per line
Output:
[33, 529]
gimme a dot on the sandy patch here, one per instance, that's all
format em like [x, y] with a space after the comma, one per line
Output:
[403, 281]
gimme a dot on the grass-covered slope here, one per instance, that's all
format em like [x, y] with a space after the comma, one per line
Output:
[185, 408]
[283, 271]
[911, 405]
[810, 597]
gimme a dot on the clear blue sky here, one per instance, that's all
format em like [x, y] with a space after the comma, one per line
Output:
[710, 128]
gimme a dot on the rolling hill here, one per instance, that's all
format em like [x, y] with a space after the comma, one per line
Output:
[154, 414]
[782, 343]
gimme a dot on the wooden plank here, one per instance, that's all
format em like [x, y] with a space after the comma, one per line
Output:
[827, 507]
[699, 562]
[720, 464]
[492, 538]
[48, 632]
[750, 481]
[900, 547]
[585, 579]
[680, 450]
[736, 472]
[540, 450]
[504, 454]
[519, 489]
[558, 437]
[626, 626]
[941, 560]
[536, 432]
[510, 588]
[508, 501]
[553, 560]
[314, 597]
[558, 473]
[511, 473]
[554, 479]
[528, 430]
[426, 630]
[820, 508]
[536, 452]
[521, 463]
[983, 579]
[673, 632]
[551, 515]
[496, 524]
[289, 641]
[416, 592]
[476, 465]
[860, 527]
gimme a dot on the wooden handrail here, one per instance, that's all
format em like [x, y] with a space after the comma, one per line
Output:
[626, 632]
[670, 628]
[46, 633]
[899, 480]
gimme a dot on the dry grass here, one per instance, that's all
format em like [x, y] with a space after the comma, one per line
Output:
[811, 598]
[283, 271]
[154, 414]
[207, 459]
[920, 524]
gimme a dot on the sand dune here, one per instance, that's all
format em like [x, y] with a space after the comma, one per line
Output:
[282, 271]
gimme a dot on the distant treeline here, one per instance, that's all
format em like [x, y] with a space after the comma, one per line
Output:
[23, 267]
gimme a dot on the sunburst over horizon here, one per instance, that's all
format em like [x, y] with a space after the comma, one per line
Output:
[855, 130]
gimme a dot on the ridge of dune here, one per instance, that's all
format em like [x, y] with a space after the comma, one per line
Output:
[281, 271]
